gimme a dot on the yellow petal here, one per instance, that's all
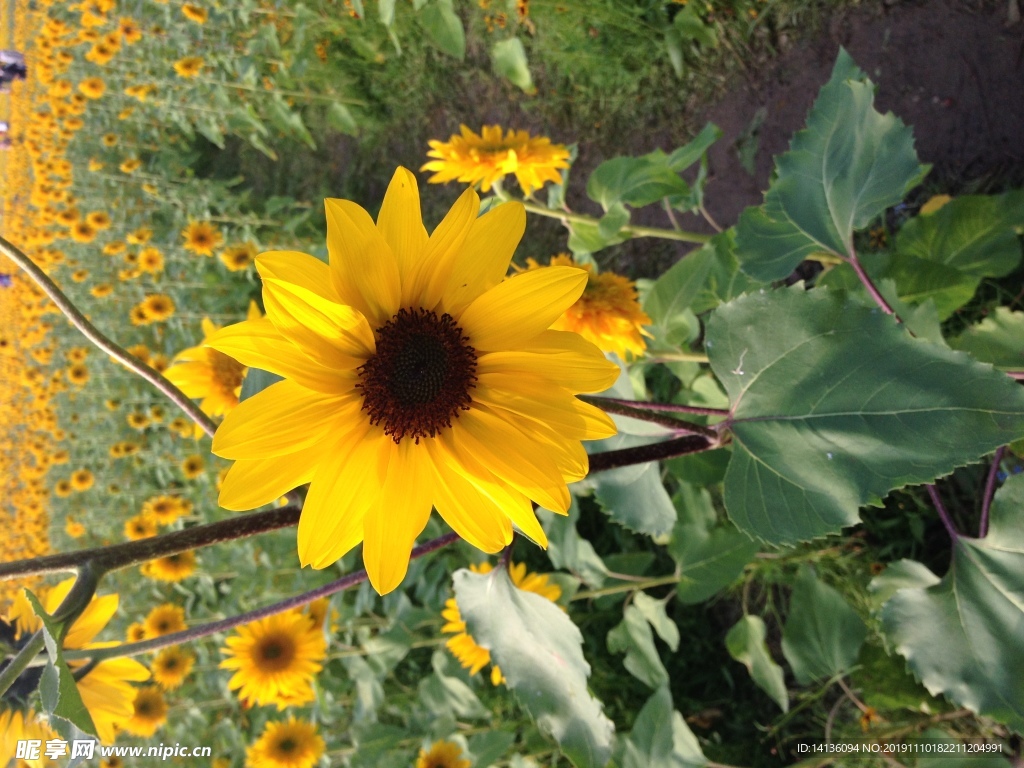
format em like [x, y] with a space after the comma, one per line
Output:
[284, 418]
[567, 359]
[536, 399]
[364, 271]
[512, 456]
[485, 255]
[94, 618]
[515, 311]
[259, 344]
[391, 527]
[431, 274]
[345, 486]
[401, 222]
[251, 483]
[341, 326]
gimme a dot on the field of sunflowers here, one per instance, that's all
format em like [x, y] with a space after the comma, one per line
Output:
[327, 445]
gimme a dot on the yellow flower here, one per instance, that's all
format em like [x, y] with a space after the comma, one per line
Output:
[109, 140]
[442, 754]
[164, 620]
[166, 509]
[150, 712]
[194, 13]
[275, 659]
[82, 232]
[203, 372]
[136, 632]
[129, 30]
[470, 655]
[171, 666]
[131, 165]
[192, 467]
[73, 528]
[190, 66]
[138, 420]
[140, 236]
[490, 156]
[172, 568]
[157, 307]
[608, 313]
[82, 480]
[16, 726]
[415, 376]
[99, 219]
[238, 257]
[101, 289]
[151, 260]
[92, 88]
[291, 744]
[114, 247]
[139, 527]
[201, 237]
[78, 374]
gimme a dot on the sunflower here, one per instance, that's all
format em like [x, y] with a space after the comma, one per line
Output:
[129, 30]
[82, 232]
[414, 377]
[16, 726]
[101, 290]
[92, 88]
[166, 509]
[275, 659]
[82, 479]
[203, 372]
[99, 219]
[291, 744]
[73, 528]
[138, 420]
[164, 620]
[80, 275]
[139, 527]
[78, 374]
[114, 247]
[62, 488]
[171, 666]
[190, 66]
[194, 13]
[157, 412]
[140, 236]
[77, 354]
[131, 165]
[150, 712]
[136, 632]
[470, 655]
[109, 140]
[238, 257]
[193, 466]
[201, 237]
[158, 307]
[490, 156]
[442, 754]
[151, 260]
[172, 568]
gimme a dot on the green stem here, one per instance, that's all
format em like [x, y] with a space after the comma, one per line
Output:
[633, 586]
[21, 662]
[630, 230]
[92, 333]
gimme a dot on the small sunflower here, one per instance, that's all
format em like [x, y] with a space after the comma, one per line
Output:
[195, 13]
[201, 237]
[73, 528]
[158, 307]
[172, 568]
[77, 354]
[92, 88]
[166, 509]
[171, 666]
[150, 712]
[129, 30]
[290, 744]
[488, 157]
[136, 632]
[82, 232]
[190, 66]
[114, 247]
[442, 754]
[109, 140]
[100, 290]
[193, 466]
[238, 257]
[164, 619]
[415, 377]
[82, 479]
[151, 260]
[140, 236]
[131, 165]
[99, 219]
[139, 527]
[470, 655]
[138, 420]
[275, 659]
[78, 374]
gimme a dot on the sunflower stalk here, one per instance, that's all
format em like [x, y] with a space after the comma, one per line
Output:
[94, 335]
[630, 230]
[642, 412]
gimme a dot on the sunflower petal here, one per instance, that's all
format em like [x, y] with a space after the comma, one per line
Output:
[251, 483]
[400, 516]
[401, 223]
[536, 399]
[283, 418]
[567, 359]
[432, 272]
[364, 271]
[486, 253]
[341, 326]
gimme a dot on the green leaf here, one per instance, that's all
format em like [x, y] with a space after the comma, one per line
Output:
[692, 27]
[615, 219]
[674, 47]
[340, 118]
[823, 634]
[903, 574]
[654, 611]
[885, 684]
[540, 652]
[746, 644]
[675, 291]
[491, 746]
[834, 405]
[443, 693]
[570, 551]
[585, 237]
[843, 170]
[444, 28]
[660, 737]
[57, 689]
[633, 637]
[287, 121]
[255, 381]
[962, 636]
[386, 12]
[634, 496]
[509, 61]
[635, 181]
[998, 339]
[683, 157]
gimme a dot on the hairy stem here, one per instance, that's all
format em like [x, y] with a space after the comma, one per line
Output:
[947, 521]
[213, 627]
[92, 333]
[133, 552]
[990, 487]
[601, 402]
[640, 411]
[641, 454]
[21, 662]
[872, 290]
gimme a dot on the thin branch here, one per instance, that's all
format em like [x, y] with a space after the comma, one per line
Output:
[629, 230]
[92, 333]
[17, 665]
[639, 411]
[600, 402]
[132, 552]
[875, 294]
[641, 454]
[213, 627]
[990, 487]
[941, 509]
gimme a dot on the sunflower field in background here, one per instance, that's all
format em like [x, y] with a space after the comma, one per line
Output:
[316, 462]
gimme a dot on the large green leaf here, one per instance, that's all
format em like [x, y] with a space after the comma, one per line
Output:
[540, 652]
[746, 644]
[633, 637]
[998, 339]
[823, 634]
[845, 168]
[661, 738]
[834, 405]
[964, 636]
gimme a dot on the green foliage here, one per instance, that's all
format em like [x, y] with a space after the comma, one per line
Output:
[509, 60]
[746, 644]
[998, 339]
[661, 738]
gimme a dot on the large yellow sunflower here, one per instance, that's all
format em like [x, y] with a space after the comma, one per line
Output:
[415, 376]
[275, 659]
[442, 754]
[291, 744]
[488, 157]
[462, 645]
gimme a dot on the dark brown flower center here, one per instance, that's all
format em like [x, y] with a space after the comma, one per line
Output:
[421, 375]
[276, 653]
